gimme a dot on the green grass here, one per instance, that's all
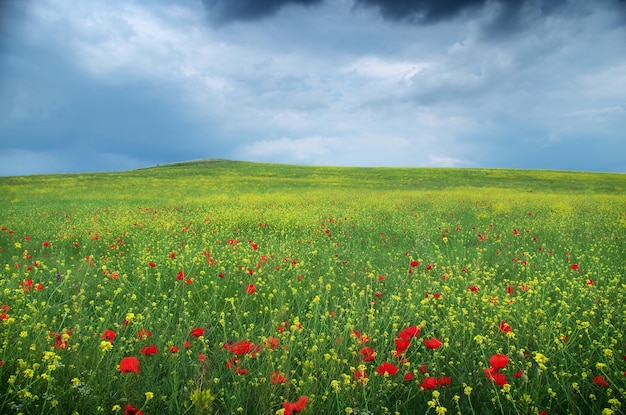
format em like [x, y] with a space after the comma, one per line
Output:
[329, 251]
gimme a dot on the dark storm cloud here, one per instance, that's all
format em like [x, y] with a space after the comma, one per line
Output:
[224, 11]
[507, 16]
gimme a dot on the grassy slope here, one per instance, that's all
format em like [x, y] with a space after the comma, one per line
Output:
[206, 178]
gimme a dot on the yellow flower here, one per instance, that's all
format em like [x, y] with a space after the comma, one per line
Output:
[116, 408]
[105, 346]
[541, 360]
[149, 395]
[441, 410]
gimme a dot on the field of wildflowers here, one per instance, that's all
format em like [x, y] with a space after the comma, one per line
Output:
[353, 299]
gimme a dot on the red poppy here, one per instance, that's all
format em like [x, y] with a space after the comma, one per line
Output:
[368, 353]
[387, 368]
[197, 331]
[498, 361]
[277, 377]
[433, 343]
[504, 327]
[600, 381]
[129, 364]
[414, 264]
[149, 350]
[359, 374]
[472, 288]
[407, 333]
[152, 264]
[180, 276]
[174, 349]
[298, 406]
[495, 376]
[429, 383]
[574, 266]
[401, 345]
[510, 289]
[243, 347]
[443, 381]
[363, 338]
[143, 333]
[408, 377]
[251, 289]
[109, 335]
[518, 374]
[271, 343]
[46, 243]
[130, 410]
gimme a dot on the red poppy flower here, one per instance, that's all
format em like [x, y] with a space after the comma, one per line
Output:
[414, 264]
[401, 345]
[130, 410]
[197, 331]
[152, 264]
[174, 349]
[271, 343]
[368, 353]
[109, 335]
[600, 381]
[433, 343]
[180, 276]
[129, 364]
[429, 383]
[443, 381]
[387, 368]
[298, 406]
[277, 377]
[518, 374]
[46, 243]
[510, 289]
[574, 266]
[149, 350]
[495, 376]
[359, 374]
[251, 289]
[408, 377]
[243, 347]
[363, 338]
[472, 288]
[409, 332]
[504, 327]
[143, 333]
[498, 361]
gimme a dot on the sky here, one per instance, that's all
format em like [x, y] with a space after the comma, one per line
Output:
[113, 85]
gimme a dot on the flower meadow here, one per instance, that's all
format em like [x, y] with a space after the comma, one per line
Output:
[342, 302]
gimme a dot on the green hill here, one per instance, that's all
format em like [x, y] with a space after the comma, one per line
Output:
[207, 178]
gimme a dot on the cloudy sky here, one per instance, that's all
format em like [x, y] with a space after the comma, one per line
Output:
[109, 85]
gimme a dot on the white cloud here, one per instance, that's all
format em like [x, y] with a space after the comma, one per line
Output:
[376, 67]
